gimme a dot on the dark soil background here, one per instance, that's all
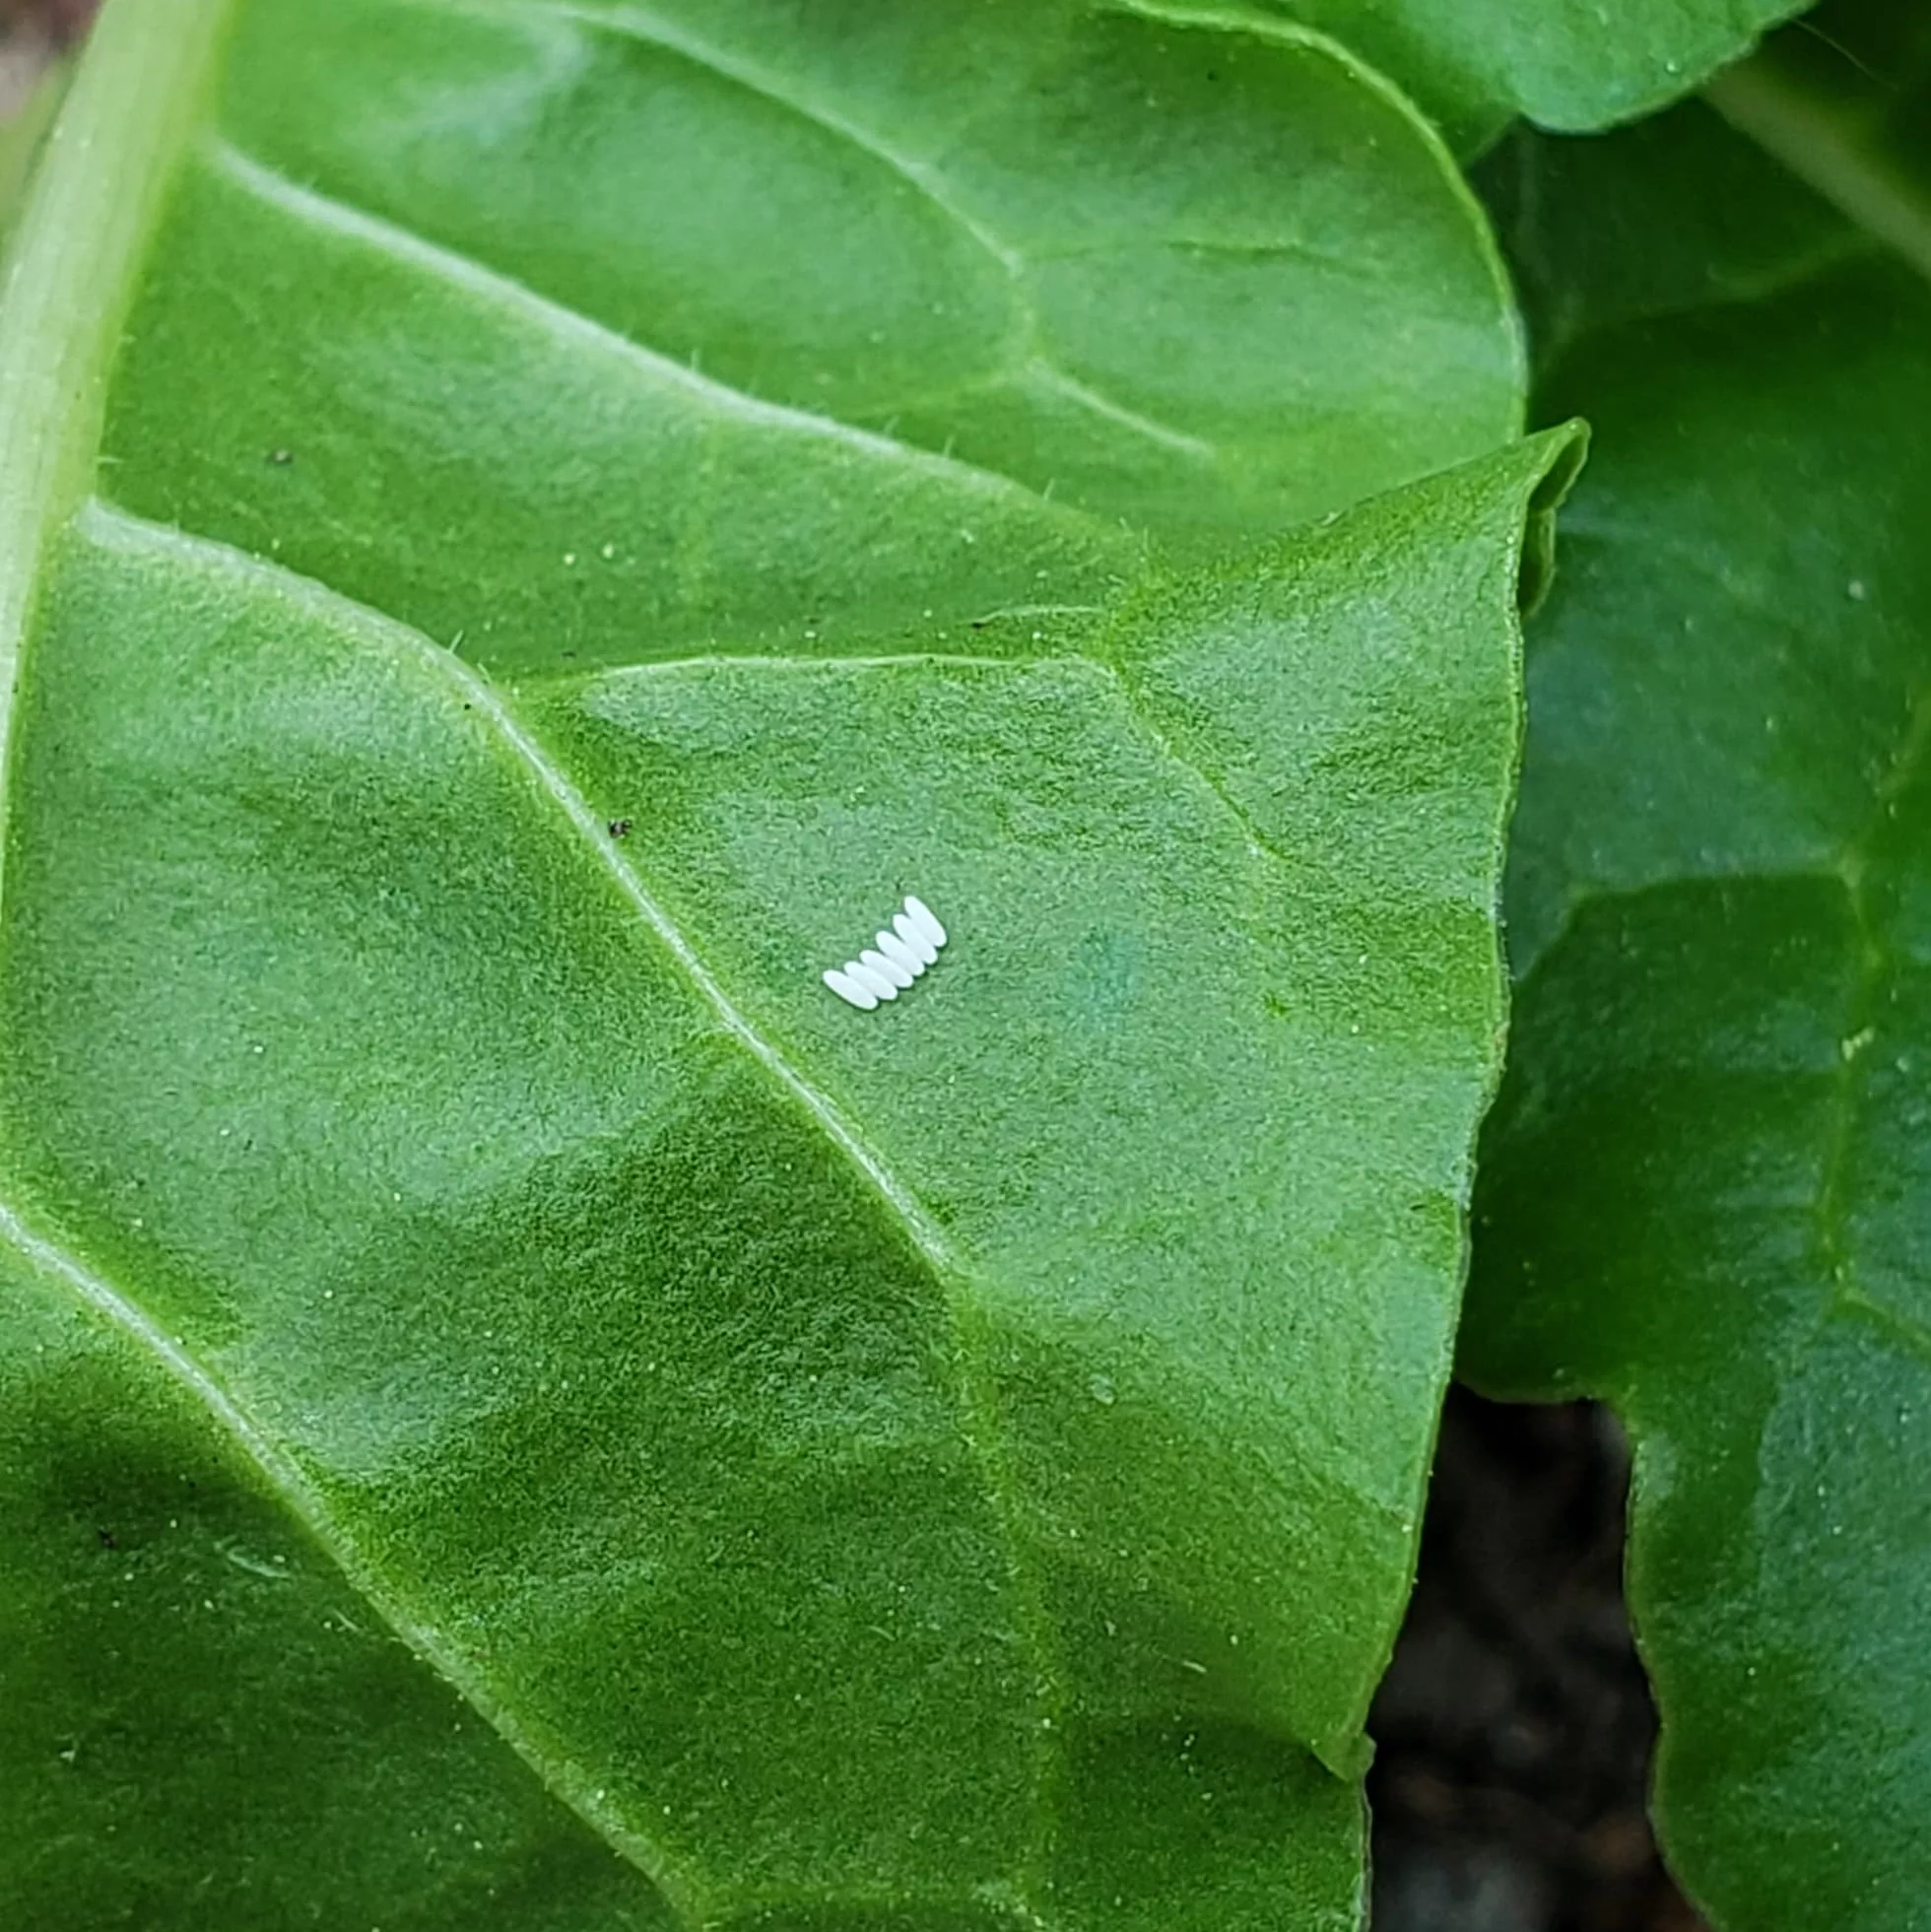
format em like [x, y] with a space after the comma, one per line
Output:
[61, 20]
[31, 34]
[1515, 1728]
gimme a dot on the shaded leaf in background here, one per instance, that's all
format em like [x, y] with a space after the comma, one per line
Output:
[1478, 64]
[955, 1466]
[1704, 1191]
[1843, 99]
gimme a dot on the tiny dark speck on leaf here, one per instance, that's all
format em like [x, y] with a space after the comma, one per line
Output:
[281, 458]
[109, 1540]
[618, 826]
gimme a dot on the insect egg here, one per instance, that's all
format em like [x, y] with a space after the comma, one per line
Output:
[872, 980]
[850, 991]
[902, 955]
[891, 969]
[921, 917]
[912, 938]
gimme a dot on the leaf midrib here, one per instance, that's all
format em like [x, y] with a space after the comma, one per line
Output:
[288, 1482]
[69, 280]
[114, 528]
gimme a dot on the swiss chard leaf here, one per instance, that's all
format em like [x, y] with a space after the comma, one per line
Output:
[954, 1466]
[1703, 1190]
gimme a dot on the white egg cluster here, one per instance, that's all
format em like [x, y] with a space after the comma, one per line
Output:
[903, 953]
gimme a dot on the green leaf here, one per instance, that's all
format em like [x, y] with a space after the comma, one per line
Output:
[1703, 1190]
[206, 1725]
[1477, 64]
[554, 315]
[846, 1454]
[588, 1429]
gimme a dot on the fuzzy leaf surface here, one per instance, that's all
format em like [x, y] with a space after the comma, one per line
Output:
[526, 529]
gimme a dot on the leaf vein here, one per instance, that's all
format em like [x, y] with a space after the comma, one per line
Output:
[568, 325]
[924, 177]
[937, 1252]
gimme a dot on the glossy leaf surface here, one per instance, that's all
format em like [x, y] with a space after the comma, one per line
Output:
[949, 1467]
[575, 310]
[1705, 1191]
